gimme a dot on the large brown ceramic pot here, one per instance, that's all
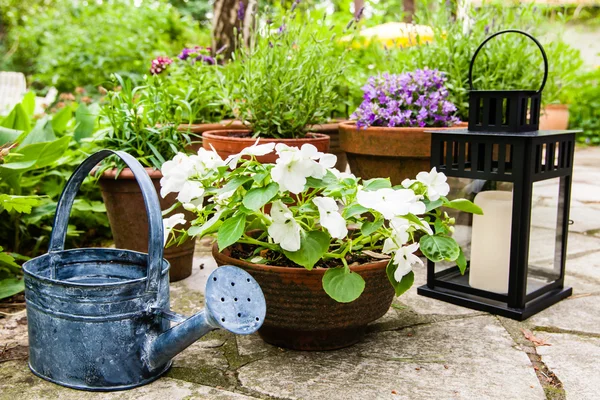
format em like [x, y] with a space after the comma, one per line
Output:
[129, 224]
[231, 142]
[332, 130]
[196, 131]
[380, 152]
[555, 116]
[301, 316]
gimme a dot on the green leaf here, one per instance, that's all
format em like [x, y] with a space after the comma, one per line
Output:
[369, 227]
[207, 227]
[461, 262]
[20, 204]
[85, 118]
[233, 184]
[343, 285]
[464, 205]
[313, 245]
[430, 205]
[37, 155]
[41, 133]
[8, 262]
[8, 135]
[231, 230]
[438, 248]
[258, 197]
[17, 119]
[406, 282]
[354, 209]
[376, 184]
[61, 119]
[28, 103]
[10, 287]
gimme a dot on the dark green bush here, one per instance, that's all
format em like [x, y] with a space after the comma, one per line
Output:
[67, 43]
[584, 108]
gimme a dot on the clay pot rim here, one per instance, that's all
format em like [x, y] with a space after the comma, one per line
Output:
[224, 135]
[225, 255]
[351, 125]
[556, 107]
[127, 174]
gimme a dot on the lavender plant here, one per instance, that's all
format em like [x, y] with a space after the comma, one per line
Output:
[411, 99]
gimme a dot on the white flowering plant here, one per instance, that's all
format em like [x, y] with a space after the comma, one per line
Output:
[302, 212]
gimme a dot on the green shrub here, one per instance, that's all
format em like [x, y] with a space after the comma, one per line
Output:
[74, 43]
[584, 108]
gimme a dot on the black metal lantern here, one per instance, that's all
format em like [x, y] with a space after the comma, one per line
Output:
[521, 178]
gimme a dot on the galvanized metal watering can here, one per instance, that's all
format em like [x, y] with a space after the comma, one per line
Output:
[99, 319]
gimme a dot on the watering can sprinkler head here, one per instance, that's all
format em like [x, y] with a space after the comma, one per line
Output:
[233, 301]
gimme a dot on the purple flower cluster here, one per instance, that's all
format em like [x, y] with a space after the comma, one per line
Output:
[410, 99]
[197, 53]
[159, 64]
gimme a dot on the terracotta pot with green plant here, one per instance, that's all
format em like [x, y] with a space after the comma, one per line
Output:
[328, 249]
[279, 86]
[140, 123]
[389, 136]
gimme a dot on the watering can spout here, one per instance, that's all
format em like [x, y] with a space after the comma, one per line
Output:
[233, 301]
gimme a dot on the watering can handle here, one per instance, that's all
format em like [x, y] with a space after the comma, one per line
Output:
[539, 45]
[155, 226]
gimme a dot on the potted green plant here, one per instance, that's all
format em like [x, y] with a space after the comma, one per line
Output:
[194, 80]
[140, 121]
[329, 250]
[388, 137]
[279, 86]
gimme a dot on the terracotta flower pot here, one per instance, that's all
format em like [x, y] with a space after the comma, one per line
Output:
[231, 142]
[196, 131]
[332, 130]
[129, 224]
[380, 152]
[555, 117]
[301, 316]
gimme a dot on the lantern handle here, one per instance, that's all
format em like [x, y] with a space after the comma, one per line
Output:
[539, 45]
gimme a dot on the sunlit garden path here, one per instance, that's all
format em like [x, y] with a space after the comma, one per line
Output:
[421, 349]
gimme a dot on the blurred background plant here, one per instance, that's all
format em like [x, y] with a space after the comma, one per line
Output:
[69, 43]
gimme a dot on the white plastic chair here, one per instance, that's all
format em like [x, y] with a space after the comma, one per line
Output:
[13, 87]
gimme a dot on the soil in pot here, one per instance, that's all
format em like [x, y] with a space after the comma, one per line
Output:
[129, 223]
[380, 152]
[231, 142]
[332, 130]
[196, 130]
[300, 315]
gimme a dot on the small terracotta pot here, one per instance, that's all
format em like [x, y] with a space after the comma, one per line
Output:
[555, 117]
[380, 152]
[301, 316]
[129, 224]
[196, 131]
[231, 142]
[332, 130]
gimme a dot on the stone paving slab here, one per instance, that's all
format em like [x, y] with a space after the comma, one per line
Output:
[577, 313]
[461, 359]
[17, 382]
[575, 359]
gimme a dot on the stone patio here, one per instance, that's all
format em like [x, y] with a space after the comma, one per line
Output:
[421, 349]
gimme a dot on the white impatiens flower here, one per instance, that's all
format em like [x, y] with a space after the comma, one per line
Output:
[175, 173]
[294, 165]
[330, 218]
[391, 203]
[284, 230]
[405, 259]
[171, 222]
[341, 175]
[254, 150]
[435, 183]
[400, 236]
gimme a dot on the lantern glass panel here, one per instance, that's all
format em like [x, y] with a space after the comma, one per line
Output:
[545, 238]
[486, 239]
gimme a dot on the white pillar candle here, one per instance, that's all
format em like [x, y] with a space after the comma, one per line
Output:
[490, 243]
